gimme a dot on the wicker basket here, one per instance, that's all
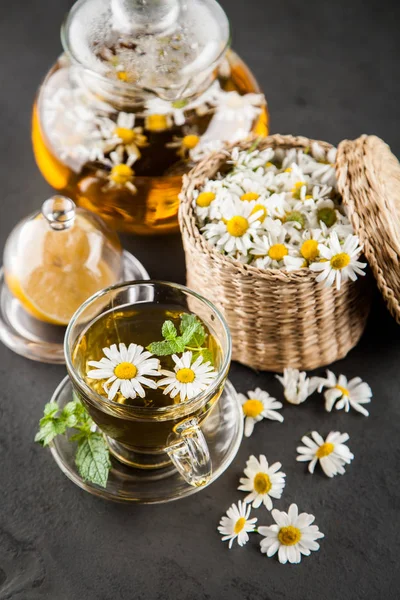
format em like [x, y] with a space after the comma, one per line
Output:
[277, 319]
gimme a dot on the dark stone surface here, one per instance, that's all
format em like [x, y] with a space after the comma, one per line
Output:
[330, 70]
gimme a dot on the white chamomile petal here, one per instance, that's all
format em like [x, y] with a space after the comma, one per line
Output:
[189, 377]
[345, 395]
[237, 525]
[331, 453]
[264, 482]
[256, 406]
[291, 536]
[125, 369]
[297, 386]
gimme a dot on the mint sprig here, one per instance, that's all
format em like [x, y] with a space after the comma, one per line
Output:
[192, 336]
[92, 455]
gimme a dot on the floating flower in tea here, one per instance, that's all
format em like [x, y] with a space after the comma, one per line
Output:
[127, 369]
[189, 377]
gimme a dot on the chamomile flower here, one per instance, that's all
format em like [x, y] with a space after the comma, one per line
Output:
[237, 228]
[340, 261]
[256, 406]
[345, 394]
[126, 369]
[237, 525]
[185, 144]
[121, 174]
[331, 453]
[263, 481]
[188, 378]
[297, 386]
[291, 536]
[122, 133]
[159, 107]
[270, 250]
[236, 107]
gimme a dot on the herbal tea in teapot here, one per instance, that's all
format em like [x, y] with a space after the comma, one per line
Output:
[135, 101]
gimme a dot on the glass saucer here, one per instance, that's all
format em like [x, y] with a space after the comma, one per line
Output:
[223, 430]
[40, 341]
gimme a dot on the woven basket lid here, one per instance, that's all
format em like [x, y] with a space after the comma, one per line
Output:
[369, 181]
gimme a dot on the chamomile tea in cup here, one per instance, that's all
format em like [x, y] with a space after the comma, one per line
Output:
[149, 361]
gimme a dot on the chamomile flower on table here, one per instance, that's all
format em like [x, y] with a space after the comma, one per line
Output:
[297, 387]
[292, 535]
[262, 481]
[332, 453]
[237, 525]
[126, 370]
[345, 394]
[340, 261]
[189, 377]
[256, 406]
[236, 229]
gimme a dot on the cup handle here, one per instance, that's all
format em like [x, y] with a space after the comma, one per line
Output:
[189, 452]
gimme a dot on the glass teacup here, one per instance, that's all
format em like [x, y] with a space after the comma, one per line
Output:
[148, 435]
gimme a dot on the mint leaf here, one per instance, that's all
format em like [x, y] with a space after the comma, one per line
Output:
[169, 331]
[160, 348]
[187, 320]
[189, 333]
[206, 355]
[50, 409]
[49, 430]
[93, 460]
[192, 330]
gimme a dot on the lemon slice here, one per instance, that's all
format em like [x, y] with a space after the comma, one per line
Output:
[60, 272]
[52, 295]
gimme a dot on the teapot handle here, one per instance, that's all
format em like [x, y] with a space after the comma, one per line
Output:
[189, 453]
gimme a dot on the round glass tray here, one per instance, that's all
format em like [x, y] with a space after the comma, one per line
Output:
[40, 341]
[223, 430]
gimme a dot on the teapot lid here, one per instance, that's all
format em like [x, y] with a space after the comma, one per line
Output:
[166, 47]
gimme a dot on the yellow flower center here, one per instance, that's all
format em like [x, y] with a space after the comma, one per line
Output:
[325, 450]
[260, 208]
[185, 375]
[268, 164]
[125, 370]
[248, 196]
[309, 196]
[190, 141]
[342, 389]
[204, 199]
[262, 483]
[340, 261]
[156, 122]
[122, 75]
[327, 215]
[239, 525]
[237, 226]
[288, 170]
[277, 252]
[289, 536]
[252, 408]
[296, 189]
[121, 174]
[309, 249]
[126, 135]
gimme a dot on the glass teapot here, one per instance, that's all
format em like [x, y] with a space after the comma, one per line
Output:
[144, 89]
